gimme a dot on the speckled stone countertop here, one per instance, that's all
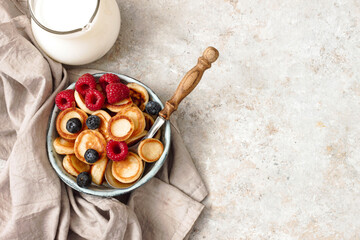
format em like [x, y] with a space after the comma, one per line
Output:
[273, 126]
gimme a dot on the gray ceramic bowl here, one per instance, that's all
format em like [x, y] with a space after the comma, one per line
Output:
[106, 190]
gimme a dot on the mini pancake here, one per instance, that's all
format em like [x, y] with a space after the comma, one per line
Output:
[98, 87]
[158, 135]
[105, 118]
[120, 127]
[150, 149]
[129, 169]
[138, 118]
[116, 107]
[63, 146]
[139, 95]
[149, 120]
[80, 101]
[74, 166]
[133, 140]
[97, 171]
[113, 182]
[66, 115]
[90, 139]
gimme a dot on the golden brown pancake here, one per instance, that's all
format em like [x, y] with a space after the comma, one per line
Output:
[80, 101]
[139, 95]
[129, 169]
[150, 149]
[113, 181]
[90, 139]
[66, 115]
[120, 127]
[63, 146]
[116, 107]
[105, 118]
[98, 87]
[138, 118]
[97, 171]
[158, 134]
[133, 140]
[73, 166]
[149, 120]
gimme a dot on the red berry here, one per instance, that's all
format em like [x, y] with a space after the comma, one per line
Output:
[84, 83]
[94, 99]
[116, 151]
[108, 78]
[65, 99]
[115, 92]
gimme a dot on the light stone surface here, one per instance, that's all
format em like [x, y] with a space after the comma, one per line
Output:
[273, 126]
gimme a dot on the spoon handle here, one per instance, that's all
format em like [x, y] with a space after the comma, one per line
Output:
[189, 82]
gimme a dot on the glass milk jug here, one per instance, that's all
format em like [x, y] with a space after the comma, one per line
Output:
[75, 32]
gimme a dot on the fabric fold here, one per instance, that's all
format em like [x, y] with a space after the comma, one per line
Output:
[34, 202]
[164, 212]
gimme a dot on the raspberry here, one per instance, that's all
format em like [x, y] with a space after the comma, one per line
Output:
[116, 151]
[115, 92]
[65, 99]
[94, 99]
[108, 78]
[84, 83]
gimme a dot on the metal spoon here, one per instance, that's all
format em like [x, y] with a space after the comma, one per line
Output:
[187, 84]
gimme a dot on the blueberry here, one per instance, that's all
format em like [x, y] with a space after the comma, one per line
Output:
[93, 122]
[73, 125]
[83, 179]
[91, 155]
[153, 108]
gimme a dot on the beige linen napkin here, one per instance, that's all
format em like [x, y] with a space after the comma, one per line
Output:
[34, 203]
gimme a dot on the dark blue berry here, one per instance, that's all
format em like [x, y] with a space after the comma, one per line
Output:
[73, 125]
[153, 108]
[91, 155]
[93, 122]
[83, 179]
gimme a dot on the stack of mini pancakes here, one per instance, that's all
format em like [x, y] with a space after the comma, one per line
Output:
[123, 121]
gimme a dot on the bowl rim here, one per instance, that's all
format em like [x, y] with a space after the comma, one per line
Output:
[110, 192]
